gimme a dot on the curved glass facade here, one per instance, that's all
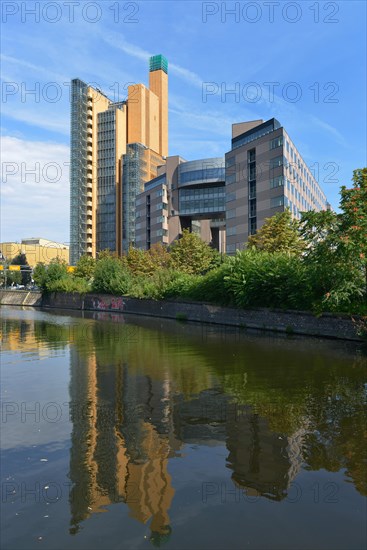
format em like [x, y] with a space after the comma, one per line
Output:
[201, 171]
[201, 186]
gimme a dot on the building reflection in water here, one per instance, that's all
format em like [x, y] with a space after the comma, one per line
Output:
[126, 427]
[122, 440]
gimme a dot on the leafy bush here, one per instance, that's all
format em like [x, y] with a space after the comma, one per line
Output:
[156, 286]
[47, 277]
[337, 285]
[268, 280]
[85, 268]
[111, 276]
[181, 285]
[210, 287]
[69, 284]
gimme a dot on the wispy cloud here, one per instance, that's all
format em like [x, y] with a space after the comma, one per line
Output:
[116, 40]
[329, 129]
[34, 68]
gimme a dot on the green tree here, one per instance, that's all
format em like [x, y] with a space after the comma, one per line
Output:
[147, 262]
[47, 277]
[190, 254]
[40, 275]
[10, 277]
[85, 268]
[57, 269]
[353, 219]
[160, 256]
[278, 234]
[25, 270]
[139, 262]
[111, 276]
[336, 249]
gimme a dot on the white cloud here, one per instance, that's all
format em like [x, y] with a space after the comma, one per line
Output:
[34, 189]
[330, 130]
[117, 41]
[33, 68]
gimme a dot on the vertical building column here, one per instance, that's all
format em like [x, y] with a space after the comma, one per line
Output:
[158, 84]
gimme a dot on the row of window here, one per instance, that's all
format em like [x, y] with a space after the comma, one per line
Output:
[292, 207]
[202, 175]
[203, 193]
[256, 134]
[305, 172]
[276, 142]
[207, 205]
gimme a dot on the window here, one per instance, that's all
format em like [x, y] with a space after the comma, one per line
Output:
[252, 226]
[252, 172]
[252, 208]
[252, 190]
[277, 201]
[276, 161]
[230, 179]
[276, 182]
[251, 155]
[276, 142]
[230, 197]
[231, 231]
[231, 214]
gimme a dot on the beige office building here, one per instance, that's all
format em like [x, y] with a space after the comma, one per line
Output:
[36, 249]
[115, 148]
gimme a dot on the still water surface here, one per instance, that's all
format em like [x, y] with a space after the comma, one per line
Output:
[123, 432]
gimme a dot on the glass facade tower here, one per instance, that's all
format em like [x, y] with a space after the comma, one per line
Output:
[78, 170]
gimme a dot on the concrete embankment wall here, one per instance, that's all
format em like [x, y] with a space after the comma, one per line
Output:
[292, 322]
[327, 325]
[20, 298]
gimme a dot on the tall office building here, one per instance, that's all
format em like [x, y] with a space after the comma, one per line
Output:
[264, 174]
[106, 138]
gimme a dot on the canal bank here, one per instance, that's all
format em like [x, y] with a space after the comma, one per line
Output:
[290, 322]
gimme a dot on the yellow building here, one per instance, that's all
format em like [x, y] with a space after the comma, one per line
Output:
[116, 147]
[36, 250]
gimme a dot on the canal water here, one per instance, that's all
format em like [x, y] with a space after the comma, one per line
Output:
[124, 432]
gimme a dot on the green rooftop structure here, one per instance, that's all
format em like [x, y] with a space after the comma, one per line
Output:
[157, 63]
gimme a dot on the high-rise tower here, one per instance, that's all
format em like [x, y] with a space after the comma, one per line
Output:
[104, 138]
[158, 84]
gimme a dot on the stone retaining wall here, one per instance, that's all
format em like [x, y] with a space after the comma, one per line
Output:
[20, 298]
[291, 322]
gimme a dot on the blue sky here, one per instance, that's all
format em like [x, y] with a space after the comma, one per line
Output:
[311, 54]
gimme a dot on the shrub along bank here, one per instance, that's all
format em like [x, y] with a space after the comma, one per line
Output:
[317, 263]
